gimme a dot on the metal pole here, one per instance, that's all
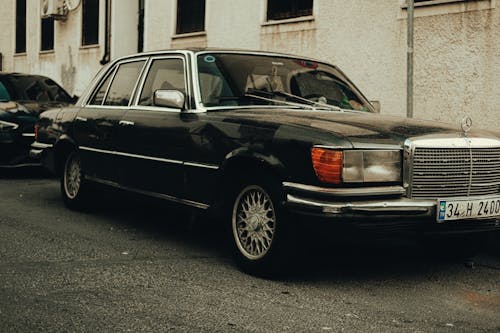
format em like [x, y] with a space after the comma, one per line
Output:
[409, 74]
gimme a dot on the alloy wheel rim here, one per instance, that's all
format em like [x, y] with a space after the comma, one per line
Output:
[253, 222]
[72, 176]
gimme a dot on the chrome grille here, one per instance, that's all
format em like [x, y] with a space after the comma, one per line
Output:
[455, 172]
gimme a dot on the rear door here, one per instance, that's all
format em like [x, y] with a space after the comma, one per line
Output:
[97, 122]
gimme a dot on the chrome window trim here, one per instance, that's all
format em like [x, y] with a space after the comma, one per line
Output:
[141, 74]
[347, 192]
[148, 68]
[108, 107]
[112, 71]
[112, 74]
[155, 108]
[149, 193]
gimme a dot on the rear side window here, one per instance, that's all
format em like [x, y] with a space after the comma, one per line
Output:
[165, 74]
[101, 92]
[121, 89]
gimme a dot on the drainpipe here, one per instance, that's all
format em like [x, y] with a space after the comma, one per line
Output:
[107, 35]
[409, 66]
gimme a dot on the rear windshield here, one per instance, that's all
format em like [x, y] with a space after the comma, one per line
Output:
[31, 88]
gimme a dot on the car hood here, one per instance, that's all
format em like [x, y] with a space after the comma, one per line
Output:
[29, 108]
[361, 129]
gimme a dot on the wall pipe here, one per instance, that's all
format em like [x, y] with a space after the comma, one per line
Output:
[107, 35]
[409, 66]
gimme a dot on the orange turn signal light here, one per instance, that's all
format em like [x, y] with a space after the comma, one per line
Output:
[327, 164]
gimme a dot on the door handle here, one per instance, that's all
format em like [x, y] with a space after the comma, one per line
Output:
[80, 119]
[126, 123]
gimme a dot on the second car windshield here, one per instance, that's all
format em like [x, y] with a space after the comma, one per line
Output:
[228, 79]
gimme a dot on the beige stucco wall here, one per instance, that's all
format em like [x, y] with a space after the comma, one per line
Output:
[457, 47]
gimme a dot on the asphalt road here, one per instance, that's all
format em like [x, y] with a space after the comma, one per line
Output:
[131, 264]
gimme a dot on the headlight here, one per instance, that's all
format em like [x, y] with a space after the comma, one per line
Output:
[356, 166]
[371, 166]
[6, 126]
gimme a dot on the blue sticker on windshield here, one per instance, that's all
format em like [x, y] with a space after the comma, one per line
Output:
[209, 59]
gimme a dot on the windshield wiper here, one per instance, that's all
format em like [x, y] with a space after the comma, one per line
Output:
[313, 105]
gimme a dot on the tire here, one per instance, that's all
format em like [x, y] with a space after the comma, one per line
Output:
[74, 187]
[261, 233]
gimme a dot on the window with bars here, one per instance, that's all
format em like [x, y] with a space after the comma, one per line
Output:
[47, 36]
[20, 26]
[190, 16]
[90, 22]
[286, 9]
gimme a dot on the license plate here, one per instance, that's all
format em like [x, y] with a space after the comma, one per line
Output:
[459, 209]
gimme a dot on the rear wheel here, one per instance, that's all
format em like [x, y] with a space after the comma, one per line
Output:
[74, 188]
[260, 233]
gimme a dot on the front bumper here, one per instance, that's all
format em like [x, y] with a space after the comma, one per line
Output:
[383, 209]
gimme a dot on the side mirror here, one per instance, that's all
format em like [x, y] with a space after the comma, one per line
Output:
[376, 106]
[169, 99]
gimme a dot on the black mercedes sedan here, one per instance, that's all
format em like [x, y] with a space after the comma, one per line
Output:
[22, 98]
[265, 140]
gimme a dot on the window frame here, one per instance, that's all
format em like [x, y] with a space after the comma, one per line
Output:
[17, 50]
[53, 24]
[83, 43]
[293, 18]
[112, 71]
[143, 79]
[177, 30]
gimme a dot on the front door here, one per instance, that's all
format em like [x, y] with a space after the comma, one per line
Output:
[153, 139]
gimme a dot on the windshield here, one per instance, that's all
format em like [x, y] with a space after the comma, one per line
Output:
[228, 79]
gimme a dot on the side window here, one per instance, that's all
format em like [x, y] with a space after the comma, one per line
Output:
[101, 92]
[120, 91]
[164, 74]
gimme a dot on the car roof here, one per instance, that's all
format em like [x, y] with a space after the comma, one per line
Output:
[215, 49]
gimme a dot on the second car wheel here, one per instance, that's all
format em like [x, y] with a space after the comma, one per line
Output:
[261, 236]
[73, 184]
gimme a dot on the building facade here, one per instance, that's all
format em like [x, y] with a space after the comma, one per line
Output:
[457, 43]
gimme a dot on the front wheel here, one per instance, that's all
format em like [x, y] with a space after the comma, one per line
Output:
[73, 184]
[259, 230]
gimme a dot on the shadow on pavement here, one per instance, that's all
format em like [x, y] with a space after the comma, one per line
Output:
[26, 172]
[327, 256]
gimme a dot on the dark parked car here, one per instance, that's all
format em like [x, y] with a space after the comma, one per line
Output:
[22, 98]
[263, 140]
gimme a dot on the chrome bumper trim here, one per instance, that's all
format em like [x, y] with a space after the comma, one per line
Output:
[347, 192]
[39, 145]
[402, 206]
